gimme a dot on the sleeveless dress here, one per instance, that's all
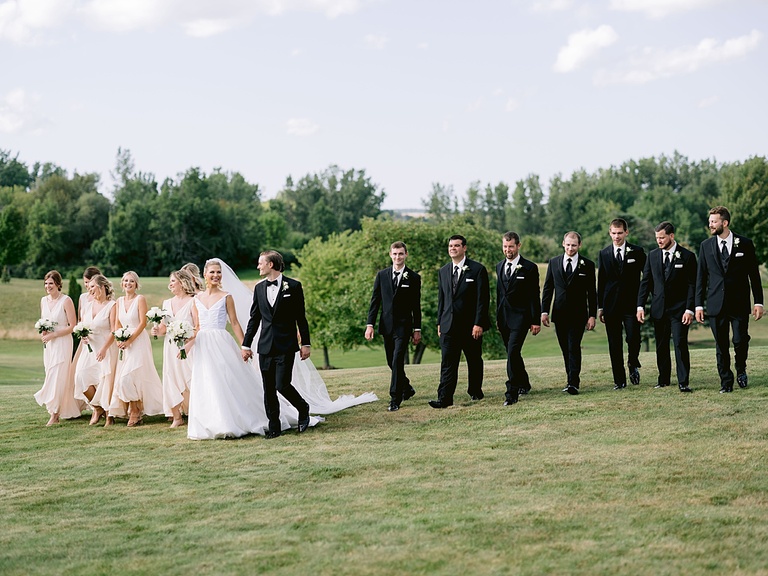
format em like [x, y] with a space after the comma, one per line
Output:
[90, 372]
[58, 391]
[177, 373]
[136, 378]
[226, 394]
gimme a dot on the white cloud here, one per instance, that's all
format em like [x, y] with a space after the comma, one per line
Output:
[376, 41]
[582, 45]
[22, 20]
[16, 111]
[476, 105]
[204, 28]
[126, 15]
[301, 127]
[512, 105]
[654, 64]
[551, 5]
[497, 92]
[660, 8]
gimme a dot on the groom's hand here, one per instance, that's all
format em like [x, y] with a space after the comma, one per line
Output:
[304, 352]
[246, 354]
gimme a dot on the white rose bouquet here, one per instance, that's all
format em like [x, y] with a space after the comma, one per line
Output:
[121, 335]
[82, 330]
[157, 315]
[180, 331]
[45, 325]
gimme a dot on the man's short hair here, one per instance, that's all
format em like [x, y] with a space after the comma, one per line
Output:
[573, 233]
[722, 211]
[399, 244]
[458, 237]
[619, 223]
[667, 227]
[509, 236]
[275, 258]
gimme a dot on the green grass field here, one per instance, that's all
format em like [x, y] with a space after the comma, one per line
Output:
[640, 481]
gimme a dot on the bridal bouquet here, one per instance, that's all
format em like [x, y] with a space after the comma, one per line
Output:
[45, 325]
[157, 315]
[121, 335]
[82, 330]
[180, 331]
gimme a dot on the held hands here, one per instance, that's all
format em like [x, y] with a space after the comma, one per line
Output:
[246, 354]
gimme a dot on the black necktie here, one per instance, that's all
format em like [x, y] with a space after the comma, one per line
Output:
[455, 277]
[618, 255]
[568, 268]
[509, 270]
[394, 280]
[724, 251]
[666, 261]
[271, 283]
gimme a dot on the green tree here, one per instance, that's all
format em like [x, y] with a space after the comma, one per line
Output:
[12, 172]
[745, 194]
[13, 238]
[441, 204]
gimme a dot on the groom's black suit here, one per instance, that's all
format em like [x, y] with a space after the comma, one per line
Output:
[673, 293]
[726, 287]
[278, 344]
[400, 315]
[457, 313]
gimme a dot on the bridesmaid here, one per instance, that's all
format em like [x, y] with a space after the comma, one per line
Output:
[58, 391]
[138, 389]
[177, 373]
[194, 270]
[94, 373]
[85, 297]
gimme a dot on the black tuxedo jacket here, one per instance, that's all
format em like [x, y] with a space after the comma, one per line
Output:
[401, 308]
[574, 297]
[673, 292]
[727, 287]
[469, 306]
[518, 301]
[617, 286]
[280, 323]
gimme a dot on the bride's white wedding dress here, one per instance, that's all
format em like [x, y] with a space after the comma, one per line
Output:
[227, 394]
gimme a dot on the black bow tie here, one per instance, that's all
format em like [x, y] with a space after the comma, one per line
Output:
[271, 282]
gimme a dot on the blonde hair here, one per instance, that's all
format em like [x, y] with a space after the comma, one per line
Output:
[135, 277]
[187, 281]
[194, 271]
[102, 281]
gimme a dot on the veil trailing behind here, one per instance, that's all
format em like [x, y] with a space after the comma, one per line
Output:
[306, 378]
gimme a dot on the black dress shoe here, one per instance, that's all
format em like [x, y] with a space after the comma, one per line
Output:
[572, 390]
[742, 380]
[478, 396]
[660, 385]
[510, 402]
[523, 391]
[634, 376]
[393, 407]
[620, 386]
[270, 434]
[726, 389]
[684, 388]
[303, 424]
[409, 393]
[439, 404]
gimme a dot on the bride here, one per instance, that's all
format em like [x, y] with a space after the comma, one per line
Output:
[226, 394]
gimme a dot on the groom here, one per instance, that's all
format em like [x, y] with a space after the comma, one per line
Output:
[278, 305]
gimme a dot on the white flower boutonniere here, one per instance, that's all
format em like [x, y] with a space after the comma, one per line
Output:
[405, 275]
[581, 263]
[285, 286]
[518, 267]
[677, 255]
[736, 241]
[628, 250]
[465, 268]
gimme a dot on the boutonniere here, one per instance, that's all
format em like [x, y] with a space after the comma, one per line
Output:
[405, 275]
[465, 268]
[581, 263]
[677, 255]
[736, 241]
[518, 267]
[285, 286]
[628, 250]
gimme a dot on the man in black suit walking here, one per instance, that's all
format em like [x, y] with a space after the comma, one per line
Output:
[462, 316]
[618, 281]
[570, 281]
[670, 276]
[518, 310]
[278, 307]
[397, 291]
[727, 267]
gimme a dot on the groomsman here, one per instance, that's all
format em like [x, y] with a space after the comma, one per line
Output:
[670, 276]
[278, 307]
[397, 291]
[518, 310]
[462, 316]
[570, 281]
[727, 267]
[618, 280]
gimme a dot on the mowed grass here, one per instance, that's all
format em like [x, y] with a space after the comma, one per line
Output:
[640, 481]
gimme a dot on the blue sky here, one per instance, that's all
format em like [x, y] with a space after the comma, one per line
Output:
[413, 92]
